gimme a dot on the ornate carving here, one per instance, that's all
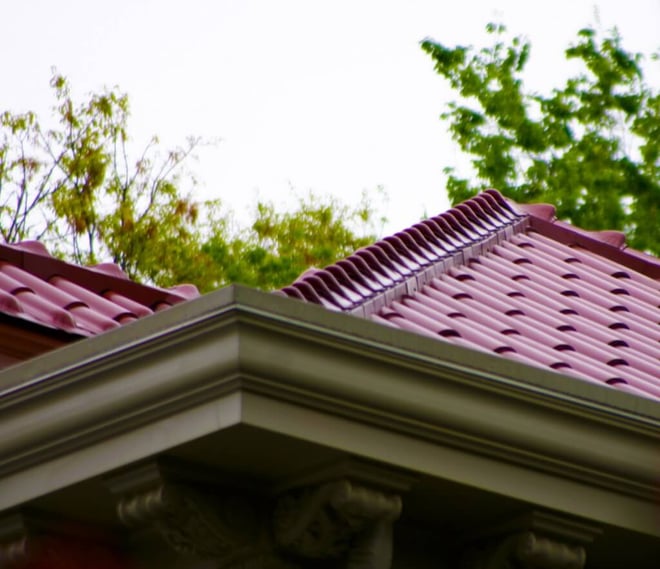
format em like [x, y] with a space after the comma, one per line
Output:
[317, 522]
[527, 551]
[338, 519]
[226, 527]
[538, 551]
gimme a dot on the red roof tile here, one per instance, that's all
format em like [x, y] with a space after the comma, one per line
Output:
[82, 301]
[510, 279]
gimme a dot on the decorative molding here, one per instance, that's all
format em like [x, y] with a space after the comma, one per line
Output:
[338, 520]
[195, 517]
[410, 394]
[316, 517]
[549, 524]
[357, 469]
[13, 540]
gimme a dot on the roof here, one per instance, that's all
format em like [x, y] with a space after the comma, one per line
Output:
[511, 280]
[39, 289]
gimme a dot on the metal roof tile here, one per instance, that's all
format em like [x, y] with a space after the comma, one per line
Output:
[510, 279]
[81, 301]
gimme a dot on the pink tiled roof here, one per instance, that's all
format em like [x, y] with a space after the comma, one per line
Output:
[84, 301]
[510, 280]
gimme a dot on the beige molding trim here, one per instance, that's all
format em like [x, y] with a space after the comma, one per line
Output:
[243, 350]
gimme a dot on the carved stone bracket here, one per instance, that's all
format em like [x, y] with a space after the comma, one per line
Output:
[206, 525]
[208, 521]
[537, 540]
[321, 522]
[348, 520]
[335, 515]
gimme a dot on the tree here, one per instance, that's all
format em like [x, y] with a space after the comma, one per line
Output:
[76, 188]
[591, 147]
[279, 246]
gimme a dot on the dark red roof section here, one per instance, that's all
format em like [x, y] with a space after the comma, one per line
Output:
[83, 301]
[511, 280]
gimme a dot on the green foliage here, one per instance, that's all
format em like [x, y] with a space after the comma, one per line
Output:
[591, 147]
[280, 245]
[76, 188]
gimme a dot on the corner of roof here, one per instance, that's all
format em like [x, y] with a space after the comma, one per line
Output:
[540, 210]
[543, 219]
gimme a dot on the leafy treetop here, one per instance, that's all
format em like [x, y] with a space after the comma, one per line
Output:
[77, 188]
[591, 147]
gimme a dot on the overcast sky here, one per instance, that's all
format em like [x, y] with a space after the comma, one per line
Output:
[333, 96]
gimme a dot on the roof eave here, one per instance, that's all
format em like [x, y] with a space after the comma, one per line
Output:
[274, 362]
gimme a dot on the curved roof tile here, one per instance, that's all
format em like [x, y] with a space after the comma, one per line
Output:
[510, 279]
[82, 301]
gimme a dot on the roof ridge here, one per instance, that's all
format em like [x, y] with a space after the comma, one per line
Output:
[402, 263]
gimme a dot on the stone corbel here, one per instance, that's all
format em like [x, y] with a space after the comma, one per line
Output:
[339, 515]
[537, 540]
[196, 517]
[346, 522]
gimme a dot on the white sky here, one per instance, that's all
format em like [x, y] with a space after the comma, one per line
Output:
[333, 96]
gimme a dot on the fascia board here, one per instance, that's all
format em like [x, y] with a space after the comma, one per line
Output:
[454, 406]
[242, 341]
[557, 491]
